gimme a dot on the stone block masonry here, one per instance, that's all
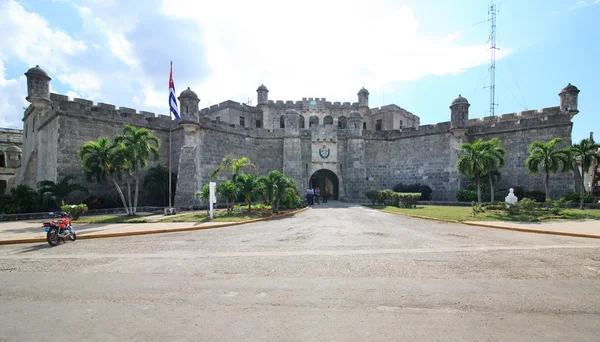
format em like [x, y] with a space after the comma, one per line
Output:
[370, 148]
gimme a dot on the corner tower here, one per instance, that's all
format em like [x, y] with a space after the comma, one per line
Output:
[38, 87]
[363, 101]
[568, 100]
[262, 94]
[188, 100]
[459, 112]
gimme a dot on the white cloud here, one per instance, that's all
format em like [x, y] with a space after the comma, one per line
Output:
[224, 50]
[320, 48]
[583, 3]
[83, 81]
[12, 100]
[27, 37]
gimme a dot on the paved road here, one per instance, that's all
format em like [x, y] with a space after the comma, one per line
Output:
[335, 273]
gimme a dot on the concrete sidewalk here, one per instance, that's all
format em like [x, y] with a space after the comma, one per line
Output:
[584, 228]
[30, 231]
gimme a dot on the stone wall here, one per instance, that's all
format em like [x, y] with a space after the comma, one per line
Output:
[516, 135]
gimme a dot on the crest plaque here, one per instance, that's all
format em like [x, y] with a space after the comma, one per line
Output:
[324, 152]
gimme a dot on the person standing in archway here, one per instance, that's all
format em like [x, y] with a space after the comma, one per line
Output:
[325, 194]
[318, 195]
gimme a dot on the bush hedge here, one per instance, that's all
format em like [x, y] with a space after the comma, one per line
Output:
[75, 211]
[425, 190]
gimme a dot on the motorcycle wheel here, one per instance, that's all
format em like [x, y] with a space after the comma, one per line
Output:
[73, 237]
[52, 237]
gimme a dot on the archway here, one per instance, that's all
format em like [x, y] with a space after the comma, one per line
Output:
[325, 179]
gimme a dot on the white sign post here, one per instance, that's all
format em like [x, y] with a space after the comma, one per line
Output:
[212, 198]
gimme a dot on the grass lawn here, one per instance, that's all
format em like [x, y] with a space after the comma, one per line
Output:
[464, 214]
[220, 216]
[112, 219]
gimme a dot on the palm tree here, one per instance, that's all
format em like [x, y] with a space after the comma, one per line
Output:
[20, 199]
[156, 181]
[248, 188]
[284, 189]
[139, 146]
[494, 176]
[479, 159]
[544, 157]
[102, 162]
[59, 191]
[495, 147]
[266, 188]
[234, 165]
[585, 152]
[204, 195]
[230, 191]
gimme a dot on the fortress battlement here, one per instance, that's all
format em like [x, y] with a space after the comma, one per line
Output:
[225, 127]
[541, 115]
[229, 104]
[107, 111]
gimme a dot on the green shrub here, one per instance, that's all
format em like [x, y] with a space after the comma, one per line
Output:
[372, 196]
[574, 197]
[75, 211]
[466, 195]
[262, 207]
[525, 206]
[496, 206]
[536, 195]
[425, 190]
[381, 197]
[557, 207]
[406, 199]
[477, 209]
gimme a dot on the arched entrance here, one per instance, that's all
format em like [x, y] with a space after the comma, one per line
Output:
[325, 179]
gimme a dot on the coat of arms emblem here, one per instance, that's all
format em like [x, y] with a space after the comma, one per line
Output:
[324, 152]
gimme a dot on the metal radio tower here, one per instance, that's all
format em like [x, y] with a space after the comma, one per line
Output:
[492, 13]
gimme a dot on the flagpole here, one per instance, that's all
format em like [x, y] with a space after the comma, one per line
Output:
[170, 125]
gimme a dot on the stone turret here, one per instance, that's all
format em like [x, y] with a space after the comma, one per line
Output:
[13, 156]
[363, 98]
[262, 95]
[459, 112]
[568, 100]
[355, 124]
[188, 100]
[292, 122]
[38, 87]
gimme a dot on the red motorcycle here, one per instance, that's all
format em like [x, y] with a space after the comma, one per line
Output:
[60, 229]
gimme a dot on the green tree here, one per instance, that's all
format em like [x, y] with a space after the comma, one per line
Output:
[284, 189]
[495, 148]
[204, 195]
[229, 164]
[248, 188]
[479, 159]
[101, 162]
[59, 191]
[544, 157]
[139, 146]
[20, 199]
[585, 152]
[266, 189]
[230, 191]
[156, 182]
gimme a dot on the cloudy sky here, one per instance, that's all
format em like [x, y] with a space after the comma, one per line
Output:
[417, 54]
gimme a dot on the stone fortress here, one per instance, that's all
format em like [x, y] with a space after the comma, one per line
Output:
[347, 147]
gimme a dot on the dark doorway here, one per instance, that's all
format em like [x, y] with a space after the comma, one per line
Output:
[325, 179]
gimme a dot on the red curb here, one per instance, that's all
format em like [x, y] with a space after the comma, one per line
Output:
[156, 231]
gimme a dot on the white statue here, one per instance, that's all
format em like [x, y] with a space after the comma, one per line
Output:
[511, 198]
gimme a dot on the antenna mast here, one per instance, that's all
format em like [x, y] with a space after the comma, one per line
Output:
[492, 13]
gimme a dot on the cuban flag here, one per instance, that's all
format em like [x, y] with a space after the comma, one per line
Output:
[172, 98]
